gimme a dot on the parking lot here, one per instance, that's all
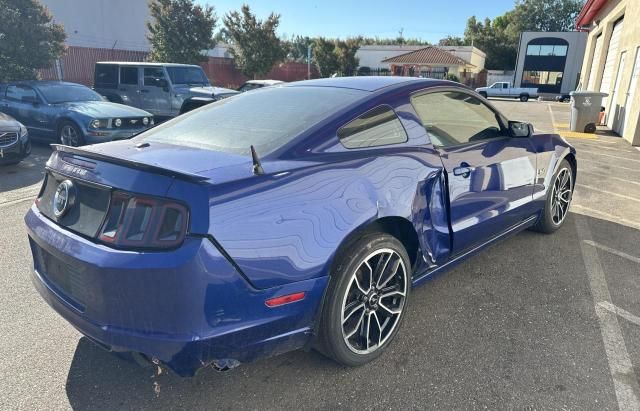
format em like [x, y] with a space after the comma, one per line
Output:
[535, 322]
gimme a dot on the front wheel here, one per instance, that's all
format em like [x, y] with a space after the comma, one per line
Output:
[366, 300]
[558, 200]
[70, 135]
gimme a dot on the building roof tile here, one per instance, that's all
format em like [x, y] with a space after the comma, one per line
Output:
[428, 55]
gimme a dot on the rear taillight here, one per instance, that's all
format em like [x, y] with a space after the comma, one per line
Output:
[143, 222]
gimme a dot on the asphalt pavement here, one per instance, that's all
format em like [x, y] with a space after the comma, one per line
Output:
[535, 322]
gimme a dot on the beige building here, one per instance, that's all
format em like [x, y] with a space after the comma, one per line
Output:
[434, 62]
[612, 61]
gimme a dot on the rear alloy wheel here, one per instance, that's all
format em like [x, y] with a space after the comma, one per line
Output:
[524, 98]
[366, 300]
[558, 200]
[70, 135]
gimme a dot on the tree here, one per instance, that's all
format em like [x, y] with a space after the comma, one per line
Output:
[396, 41]
[325, 57]
[346, 55]
[499, 38]
[180, 31]
[297, 48]
[546, 15]
[451, 41]
[28, 39]
[496, 38]
[254, 44]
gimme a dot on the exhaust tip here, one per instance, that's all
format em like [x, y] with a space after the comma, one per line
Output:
[225, 364]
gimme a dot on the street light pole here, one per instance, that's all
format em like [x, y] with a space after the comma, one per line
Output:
[309, 61]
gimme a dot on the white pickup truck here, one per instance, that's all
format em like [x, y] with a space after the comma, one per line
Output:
[504, 89]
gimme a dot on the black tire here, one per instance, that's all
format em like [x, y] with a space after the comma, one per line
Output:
[344, 285]
[483, 94]
[524, 98]
[63, 128]
[548, 222]
[590, 128]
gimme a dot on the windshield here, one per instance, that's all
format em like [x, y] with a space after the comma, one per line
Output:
[64, 93]
[187, 75]
[266, 118]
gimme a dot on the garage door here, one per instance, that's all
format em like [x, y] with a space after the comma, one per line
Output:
[613, 118]
[591, 84]
[610, 62]
[633, 85]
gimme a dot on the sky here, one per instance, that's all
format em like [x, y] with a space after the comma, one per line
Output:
[426, 19]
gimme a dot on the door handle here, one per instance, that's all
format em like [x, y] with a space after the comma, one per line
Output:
[463, 170]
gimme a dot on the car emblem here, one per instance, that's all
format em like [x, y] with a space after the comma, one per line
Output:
[134, 121]
[64, 198]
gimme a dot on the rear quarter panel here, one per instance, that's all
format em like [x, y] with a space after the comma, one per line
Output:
[288, 226]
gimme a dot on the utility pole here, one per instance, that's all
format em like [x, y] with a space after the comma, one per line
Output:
[309, 61]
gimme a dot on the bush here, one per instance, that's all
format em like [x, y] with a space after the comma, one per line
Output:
[364, 71]
[452, 77]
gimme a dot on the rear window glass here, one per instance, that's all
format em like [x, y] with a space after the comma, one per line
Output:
[106, 76]
[266, 118]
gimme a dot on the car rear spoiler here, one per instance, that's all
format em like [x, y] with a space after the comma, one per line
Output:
[181, 175]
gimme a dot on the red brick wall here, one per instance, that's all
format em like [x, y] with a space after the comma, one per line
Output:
[78, 64]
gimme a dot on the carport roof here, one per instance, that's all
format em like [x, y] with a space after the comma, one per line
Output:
[428, 55]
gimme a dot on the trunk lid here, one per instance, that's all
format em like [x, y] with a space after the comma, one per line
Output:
[157, 170]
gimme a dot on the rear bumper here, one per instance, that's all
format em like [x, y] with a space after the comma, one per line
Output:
[187, 307]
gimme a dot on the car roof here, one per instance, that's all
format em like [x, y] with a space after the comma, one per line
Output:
[267, 82]
[145, 63]
[45, 83]
[366, 83]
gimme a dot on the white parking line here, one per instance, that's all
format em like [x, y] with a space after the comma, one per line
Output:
[622, 313]
[614, 251]
[20, 200]
[601, 147]
[553, 117]
[606, 216]
[610, 193]
[636, 170]
[624, 379]
[606, 177]
[583, 150]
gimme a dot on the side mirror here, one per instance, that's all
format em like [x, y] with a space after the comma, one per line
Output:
[520, 129]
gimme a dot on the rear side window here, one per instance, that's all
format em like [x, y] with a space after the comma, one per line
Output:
[106, 76]
[451, 118]
[377, 127]
[129, 75]
[21, 93]
[152, 76]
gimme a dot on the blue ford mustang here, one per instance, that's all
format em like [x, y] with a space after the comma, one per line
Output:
[70, 113]
[292, 216]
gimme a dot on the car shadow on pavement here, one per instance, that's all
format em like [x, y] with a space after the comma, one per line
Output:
[513, 327]
[28, 172]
